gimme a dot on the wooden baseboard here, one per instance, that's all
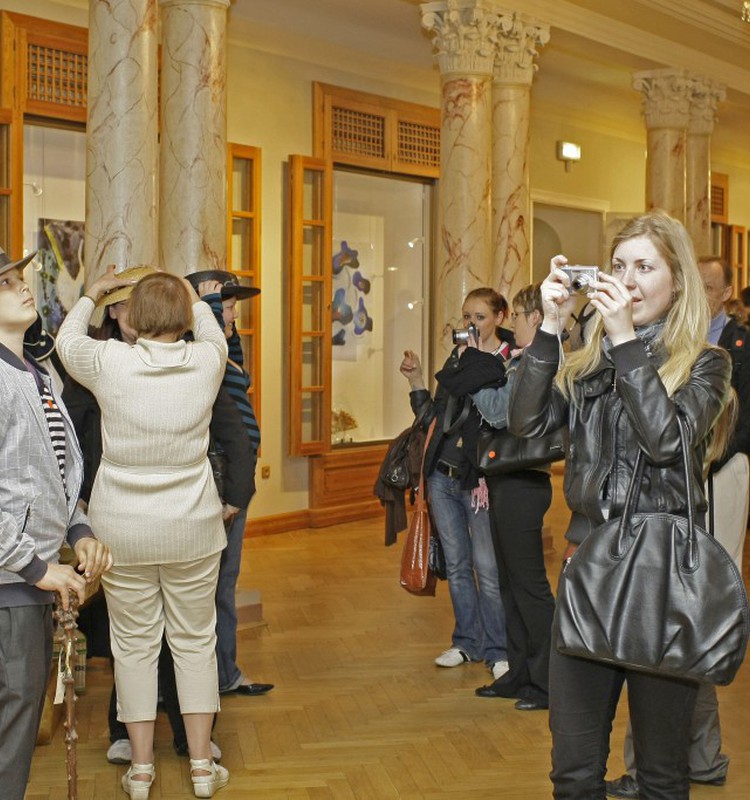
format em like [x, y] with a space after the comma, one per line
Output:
[312, 518]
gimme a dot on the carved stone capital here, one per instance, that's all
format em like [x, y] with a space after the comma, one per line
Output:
[666, 97]
[706, 94]
[464, 37]
[518, 39]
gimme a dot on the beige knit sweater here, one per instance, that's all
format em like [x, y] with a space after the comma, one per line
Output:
[154, 500]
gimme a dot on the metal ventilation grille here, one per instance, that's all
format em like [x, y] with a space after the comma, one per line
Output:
[418, 144]
[56, 76]
[718, 201]
[358, 133]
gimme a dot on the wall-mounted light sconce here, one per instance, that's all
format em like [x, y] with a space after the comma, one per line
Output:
[745, 15]
[412, 304]
[36, 189]
[415, 241]
[568, 152]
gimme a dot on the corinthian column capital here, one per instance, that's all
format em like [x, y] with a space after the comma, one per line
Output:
[464, 35]
[518, 39]
[666, 97]
[705, 96]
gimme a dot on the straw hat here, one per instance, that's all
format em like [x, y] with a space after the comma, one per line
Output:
[124, 292]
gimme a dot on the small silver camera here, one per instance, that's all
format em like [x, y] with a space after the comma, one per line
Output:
[461, 335]
[581, 278]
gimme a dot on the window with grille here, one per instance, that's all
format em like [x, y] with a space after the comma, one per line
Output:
[56, 76]
[365, 130]
[418, 144]
[357, 132]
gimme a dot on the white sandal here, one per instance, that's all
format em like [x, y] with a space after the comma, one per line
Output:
[138, 790]
[207, 785]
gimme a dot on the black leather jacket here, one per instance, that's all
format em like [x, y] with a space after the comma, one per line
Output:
[619, 408]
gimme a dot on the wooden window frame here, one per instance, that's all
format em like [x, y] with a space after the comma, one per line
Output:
[326, 97]
[252, 213]
[17, 31]
[320, 327]
[392, 112]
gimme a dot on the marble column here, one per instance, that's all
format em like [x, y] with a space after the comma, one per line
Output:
[193, 166]
[703, 99]
[121, 136]
[465, 52]
[519, 38]
[666, 107]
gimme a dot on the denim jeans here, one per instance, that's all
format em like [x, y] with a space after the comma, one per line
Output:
[230, 675]
[473, 579]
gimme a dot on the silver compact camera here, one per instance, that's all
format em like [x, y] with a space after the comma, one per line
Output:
[461, 335]
[581, 278]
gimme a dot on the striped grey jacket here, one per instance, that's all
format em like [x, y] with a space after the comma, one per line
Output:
[36, 515]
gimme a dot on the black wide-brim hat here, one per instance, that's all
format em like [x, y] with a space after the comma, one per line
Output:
[6, 264]
[230, 285]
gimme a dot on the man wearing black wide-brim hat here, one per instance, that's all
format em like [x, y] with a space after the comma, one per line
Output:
[221, 290]
[41, 473]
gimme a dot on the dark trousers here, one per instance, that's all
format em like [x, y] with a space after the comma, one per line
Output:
[25, 655]
[168, 692]
[583, 700]
[518, 503]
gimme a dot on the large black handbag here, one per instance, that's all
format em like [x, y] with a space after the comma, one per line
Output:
[499, 451]
[654, 592]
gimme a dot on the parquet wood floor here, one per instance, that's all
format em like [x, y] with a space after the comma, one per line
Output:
[359, 711]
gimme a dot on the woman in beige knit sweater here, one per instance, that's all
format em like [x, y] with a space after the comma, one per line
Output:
[155, 504]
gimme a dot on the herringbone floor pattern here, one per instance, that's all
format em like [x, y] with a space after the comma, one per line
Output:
[359, 711]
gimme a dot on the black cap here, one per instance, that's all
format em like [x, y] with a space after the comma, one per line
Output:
[6, 264]
[230, 286]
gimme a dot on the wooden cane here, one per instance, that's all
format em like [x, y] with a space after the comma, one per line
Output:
[67, 621]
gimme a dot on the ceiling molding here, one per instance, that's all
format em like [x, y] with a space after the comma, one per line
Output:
[622, 36]
[725, 24]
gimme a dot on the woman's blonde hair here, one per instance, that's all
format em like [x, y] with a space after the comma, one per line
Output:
[686, 325]
[159, 305]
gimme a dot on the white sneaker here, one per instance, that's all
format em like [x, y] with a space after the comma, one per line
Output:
[499, 668]
[120, 752]
[452, 657]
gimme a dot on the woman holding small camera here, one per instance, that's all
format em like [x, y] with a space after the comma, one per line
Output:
[457, 496]
[645, 367]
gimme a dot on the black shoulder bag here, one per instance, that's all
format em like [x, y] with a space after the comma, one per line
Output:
[655, 592]
[499, 451]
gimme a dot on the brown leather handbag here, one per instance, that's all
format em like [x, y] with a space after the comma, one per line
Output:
[416, 576]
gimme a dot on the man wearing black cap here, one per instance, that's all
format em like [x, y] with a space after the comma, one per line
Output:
[221, 290]
[41, 469]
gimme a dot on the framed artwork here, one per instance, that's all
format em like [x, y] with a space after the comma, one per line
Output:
[59, 280]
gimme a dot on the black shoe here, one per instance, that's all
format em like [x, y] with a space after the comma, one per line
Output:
[531, 705]
[720, 781]
[488, 691]
[251, 689]
[625, 786]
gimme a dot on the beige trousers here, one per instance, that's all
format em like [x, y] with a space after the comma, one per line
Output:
[144, 601]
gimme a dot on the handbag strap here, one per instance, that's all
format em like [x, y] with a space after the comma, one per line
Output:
[631, 498]
[450, 427]
[420, 491]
